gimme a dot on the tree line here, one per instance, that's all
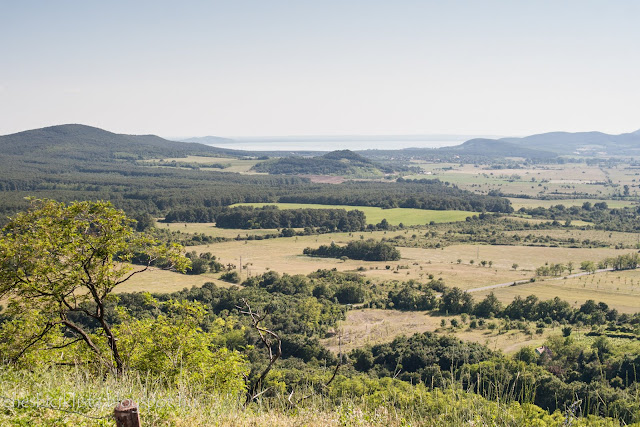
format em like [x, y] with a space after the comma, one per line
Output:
[366, 250]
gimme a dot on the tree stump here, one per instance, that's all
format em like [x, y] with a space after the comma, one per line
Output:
[126, 414]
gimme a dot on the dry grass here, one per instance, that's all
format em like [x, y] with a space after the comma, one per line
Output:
[285, 255]
[162, 281]
[374, 326]
[610, 237]
[619, 289]
[533, 203]
[210, 229]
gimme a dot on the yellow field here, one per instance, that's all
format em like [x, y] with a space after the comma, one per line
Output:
[285, 255]
[533, 203]
[210, 229]
[162, 281]
[373, 326]
[619, 289]
[611, 237]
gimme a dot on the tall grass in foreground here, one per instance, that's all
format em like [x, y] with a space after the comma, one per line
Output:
[74, 397]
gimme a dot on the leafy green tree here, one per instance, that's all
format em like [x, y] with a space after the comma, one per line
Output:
[64, 262]
[456, 301]
[488, 307]
[588, 266]
[172, 346]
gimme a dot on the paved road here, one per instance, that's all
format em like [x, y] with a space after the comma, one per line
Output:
[522, 282]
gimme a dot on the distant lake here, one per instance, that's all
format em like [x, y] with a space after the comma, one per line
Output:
[337, 143]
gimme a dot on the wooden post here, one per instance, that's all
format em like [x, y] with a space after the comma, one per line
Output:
[126, 414]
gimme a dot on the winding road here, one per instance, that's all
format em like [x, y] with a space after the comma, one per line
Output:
[522, 282]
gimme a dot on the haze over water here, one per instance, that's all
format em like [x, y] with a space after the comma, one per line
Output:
[331, 143]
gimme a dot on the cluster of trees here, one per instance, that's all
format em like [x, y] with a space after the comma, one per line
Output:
[248, 217]
[366, 250]
[412, 295]
[328, 285]
[599, 213]
[203, 263]
[601, 378]
[417, 194]
[620, 262]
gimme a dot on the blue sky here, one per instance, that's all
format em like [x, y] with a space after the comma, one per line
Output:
[326, 67]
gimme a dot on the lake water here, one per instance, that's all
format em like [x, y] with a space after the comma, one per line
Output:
[337, 143]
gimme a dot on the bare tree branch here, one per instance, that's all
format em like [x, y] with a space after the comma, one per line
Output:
[267, 337]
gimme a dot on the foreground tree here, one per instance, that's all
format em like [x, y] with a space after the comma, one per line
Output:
[60, 263]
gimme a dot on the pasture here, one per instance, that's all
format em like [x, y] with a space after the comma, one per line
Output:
[234, 165]
[564, 181]
[163, 281]
[518, 203]
[374, 326]
[285, 255]
[619, 289]
[210, 229]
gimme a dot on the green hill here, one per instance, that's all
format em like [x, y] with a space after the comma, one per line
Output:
[585, 143]
[85, 143]
[342, 162]
[490, 147]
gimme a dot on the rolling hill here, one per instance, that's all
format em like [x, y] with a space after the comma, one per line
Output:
[82, 142]
[342, 162]
[491, 147]
[585, 143]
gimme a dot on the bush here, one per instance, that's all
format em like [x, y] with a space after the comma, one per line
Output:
[231, 277]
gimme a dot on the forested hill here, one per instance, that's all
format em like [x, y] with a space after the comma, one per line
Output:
[82, 142]
[490, 147]
[342, 162]
[75, 162]
[586, 143]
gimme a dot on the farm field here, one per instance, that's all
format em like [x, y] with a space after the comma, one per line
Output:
[619, 289]
[236, 165]
[611, 237]
[554, 180]
[395, 216]
[210, 229]
[163, 281]
[518, 203]
[285, 255]
[374, 326]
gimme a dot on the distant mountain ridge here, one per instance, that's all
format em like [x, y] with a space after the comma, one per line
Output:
[492, 147]
[84, 142]
[586, 143]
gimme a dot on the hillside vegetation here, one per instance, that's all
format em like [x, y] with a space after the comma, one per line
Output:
[343, 163]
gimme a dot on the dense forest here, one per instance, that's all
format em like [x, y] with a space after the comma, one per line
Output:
[343, 162]
[367, 250]
[248, 217]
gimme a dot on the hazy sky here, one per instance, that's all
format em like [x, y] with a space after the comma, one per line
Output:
[320, 67]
